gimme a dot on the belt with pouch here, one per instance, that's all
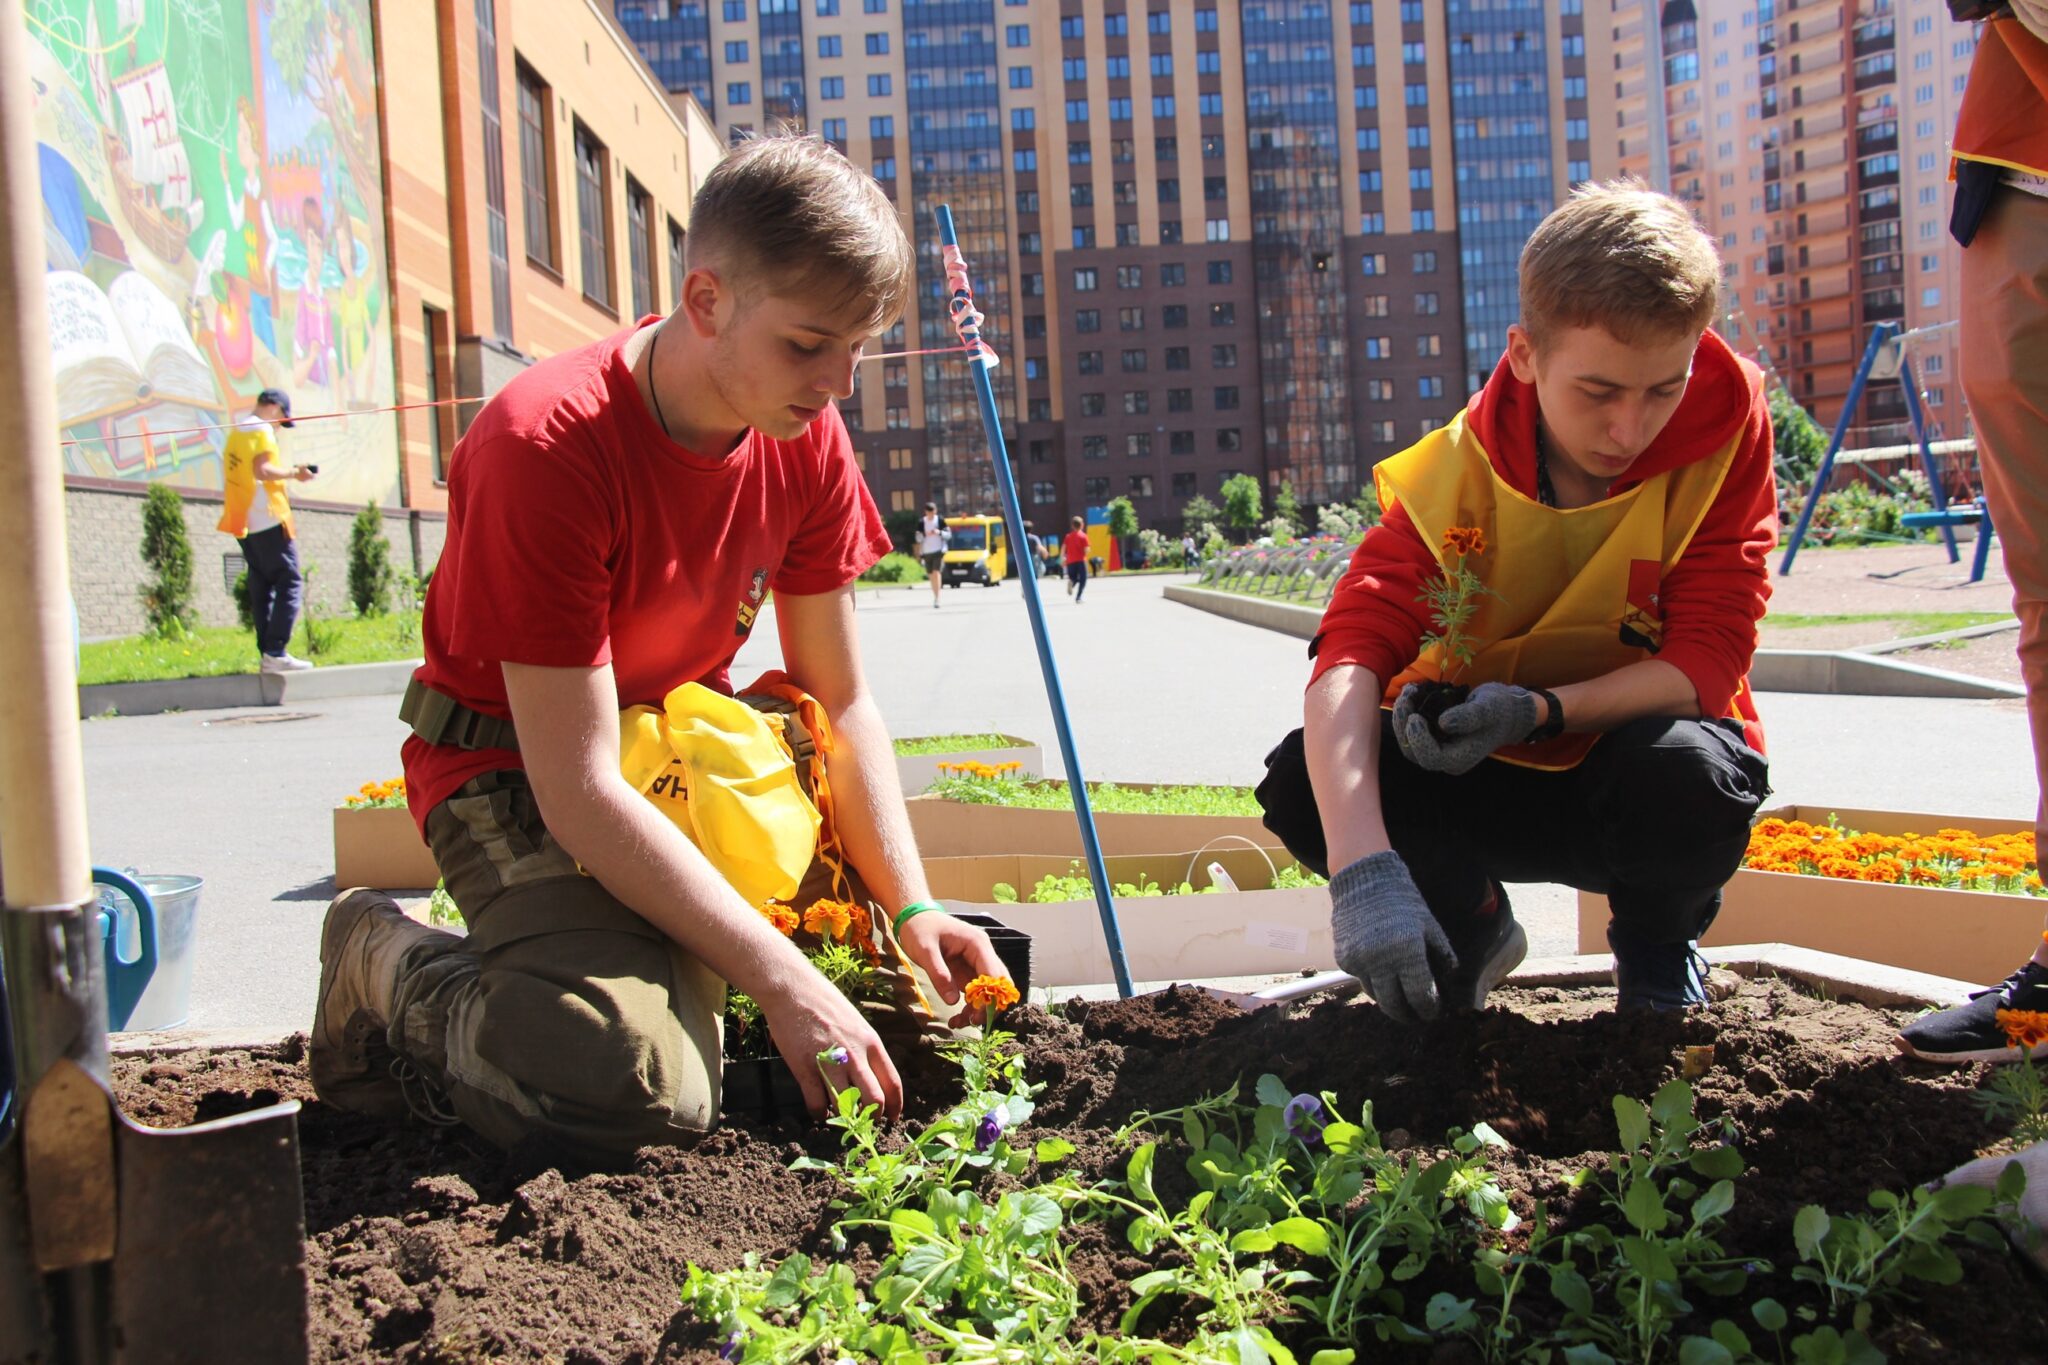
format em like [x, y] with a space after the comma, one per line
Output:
[438, 718]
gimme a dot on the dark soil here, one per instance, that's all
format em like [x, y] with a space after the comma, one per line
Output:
[427, 1246]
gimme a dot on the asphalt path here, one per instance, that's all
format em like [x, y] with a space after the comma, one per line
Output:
[1158, 692]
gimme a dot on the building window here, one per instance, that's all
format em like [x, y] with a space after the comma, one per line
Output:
[439, 419]
[1222, 315]
[1137, 402]
[1426, 303]
[1173, 275]
[1184, 483]
[1120, 109]
[498, 226]
[901, 457]
[832, 88]
[1043, 493]
[1216, 230]
[878, 44]
[1223, 357]
[885, 168]
[536, 169]
[1088, 362]
[1173, 315]
[879, 84]
[1084, 237]
[834, 130]
[1177, 358]
[1024, 159]
[1431, 343]
[1134, 361]
[1094, 490]
[592, 230]
[1088, 320]
[1094, 447]
[1373, 263]
[739, 92]
[1138, 446]
[1130, 277]
[828, 45]
[1181, 400]
[736, 52]
[1225, 397]
[1085, 279]
[874, 6]
[1229, 439]
[1130, 319]
[640, 246]
[1430, 386]
[1020, 78]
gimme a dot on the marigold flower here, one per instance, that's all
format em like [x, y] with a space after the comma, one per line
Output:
[1465, 540]
[992, 993]
[783, 917]
[829, 918]
[2026, 1029]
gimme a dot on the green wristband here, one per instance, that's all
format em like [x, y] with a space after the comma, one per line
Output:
[914, 908]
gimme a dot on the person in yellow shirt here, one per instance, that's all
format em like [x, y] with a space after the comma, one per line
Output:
[263, 525]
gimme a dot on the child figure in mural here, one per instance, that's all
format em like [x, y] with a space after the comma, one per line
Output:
[352, 315]
[255, 233]
[313, 332]
[1609, 492]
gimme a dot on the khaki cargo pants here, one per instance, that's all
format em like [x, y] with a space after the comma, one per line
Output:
[564, 1014]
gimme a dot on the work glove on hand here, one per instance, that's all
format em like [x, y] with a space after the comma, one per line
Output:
[1386, 937]
[1493, 715]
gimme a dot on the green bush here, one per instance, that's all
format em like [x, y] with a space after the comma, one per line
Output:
[1858, 514]
[895, 567]
[244, 613]
[1242, 502]
[369, 563]
[167, 550]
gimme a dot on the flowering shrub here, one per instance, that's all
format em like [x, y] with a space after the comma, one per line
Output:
[1954, 859]
[378, 795]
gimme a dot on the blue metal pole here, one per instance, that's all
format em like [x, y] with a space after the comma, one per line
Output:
[1948, 532]
[1883, 333]
[1027, 578]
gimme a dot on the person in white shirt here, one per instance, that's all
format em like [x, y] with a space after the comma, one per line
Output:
[931, 546]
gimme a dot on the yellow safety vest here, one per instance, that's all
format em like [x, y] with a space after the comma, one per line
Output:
[720, 772]
[1579, 587]
[238, 466]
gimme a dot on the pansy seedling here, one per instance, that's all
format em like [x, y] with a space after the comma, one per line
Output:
[990, 1128]
[1303, 1118]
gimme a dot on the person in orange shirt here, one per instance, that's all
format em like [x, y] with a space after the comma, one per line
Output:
[2001, 220]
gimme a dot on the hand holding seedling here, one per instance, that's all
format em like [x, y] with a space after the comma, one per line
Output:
[1386, 937]
[951, 952]
[1495, 714]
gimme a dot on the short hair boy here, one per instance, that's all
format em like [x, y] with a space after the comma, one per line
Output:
[617, 516]
[1611, 491]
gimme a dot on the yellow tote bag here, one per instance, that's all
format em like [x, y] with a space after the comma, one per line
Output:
[720, 772]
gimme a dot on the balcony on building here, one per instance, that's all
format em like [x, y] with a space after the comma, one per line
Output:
[1884, 305]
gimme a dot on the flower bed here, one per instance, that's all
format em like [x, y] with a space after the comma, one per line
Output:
[921, 761]
[968, 815]
[1861, 899]
[377, 844]
[1078, 1223]
[1177, 925]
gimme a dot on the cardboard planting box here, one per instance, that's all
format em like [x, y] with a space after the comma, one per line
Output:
[381, 847]
[954, 829]
[1968, 935]
[1248, 932]
[918, 771]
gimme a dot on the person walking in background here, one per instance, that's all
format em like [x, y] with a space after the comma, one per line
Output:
[1190, 559]
[1076, 548]
[263, 525]
[2001, 221]
[931, 546]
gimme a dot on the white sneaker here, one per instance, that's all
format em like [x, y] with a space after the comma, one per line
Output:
[283, 663]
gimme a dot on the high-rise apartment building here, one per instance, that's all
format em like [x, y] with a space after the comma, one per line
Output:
[1215, 237]
[1811, 138]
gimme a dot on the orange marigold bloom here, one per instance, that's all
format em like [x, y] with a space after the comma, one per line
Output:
[990, 993]
[1465, 540]
[829, 918]
[783, 917]
[2024, 1028]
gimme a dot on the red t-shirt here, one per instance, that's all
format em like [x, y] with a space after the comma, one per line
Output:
[579, 534]
[1077, 546]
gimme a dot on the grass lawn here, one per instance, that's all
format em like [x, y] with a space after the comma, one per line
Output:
[211, 651]
[1911, 622]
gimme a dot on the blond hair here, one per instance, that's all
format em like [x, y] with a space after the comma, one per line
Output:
[1620, 256]
[788, 215]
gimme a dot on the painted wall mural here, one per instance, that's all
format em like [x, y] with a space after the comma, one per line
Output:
[213, 226]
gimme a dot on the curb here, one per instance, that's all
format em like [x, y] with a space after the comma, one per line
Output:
[245, 689]
[1834, 672]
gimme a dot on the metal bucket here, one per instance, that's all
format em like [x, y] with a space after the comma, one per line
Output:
[167, 1001]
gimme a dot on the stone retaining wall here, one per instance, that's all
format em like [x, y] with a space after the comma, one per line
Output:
[105, 541]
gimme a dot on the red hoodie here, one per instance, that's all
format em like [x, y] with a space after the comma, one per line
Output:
[1712, 598]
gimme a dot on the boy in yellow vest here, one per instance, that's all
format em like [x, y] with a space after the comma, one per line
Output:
[2001, 221]
[1610, 488]
[263, 524]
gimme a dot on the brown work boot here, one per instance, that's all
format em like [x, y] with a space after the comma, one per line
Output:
[365, 942]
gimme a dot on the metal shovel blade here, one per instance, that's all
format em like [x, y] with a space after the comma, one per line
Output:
[210, 1264]
[1287, 991]
[208, 1252]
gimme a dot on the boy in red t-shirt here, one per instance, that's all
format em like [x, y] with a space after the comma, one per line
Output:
[1607, 499]
[617, 516]
[1076, 548]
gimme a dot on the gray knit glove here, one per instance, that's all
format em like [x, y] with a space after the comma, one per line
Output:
[1493, 715]
[1386, 937]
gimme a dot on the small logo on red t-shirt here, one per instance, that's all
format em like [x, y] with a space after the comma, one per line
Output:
[750, 605]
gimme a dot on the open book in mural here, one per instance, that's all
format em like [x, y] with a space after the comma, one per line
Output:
[213, 226]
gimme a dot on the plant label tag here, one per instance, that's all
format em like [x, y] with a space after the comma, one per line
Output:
[1284, 938]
